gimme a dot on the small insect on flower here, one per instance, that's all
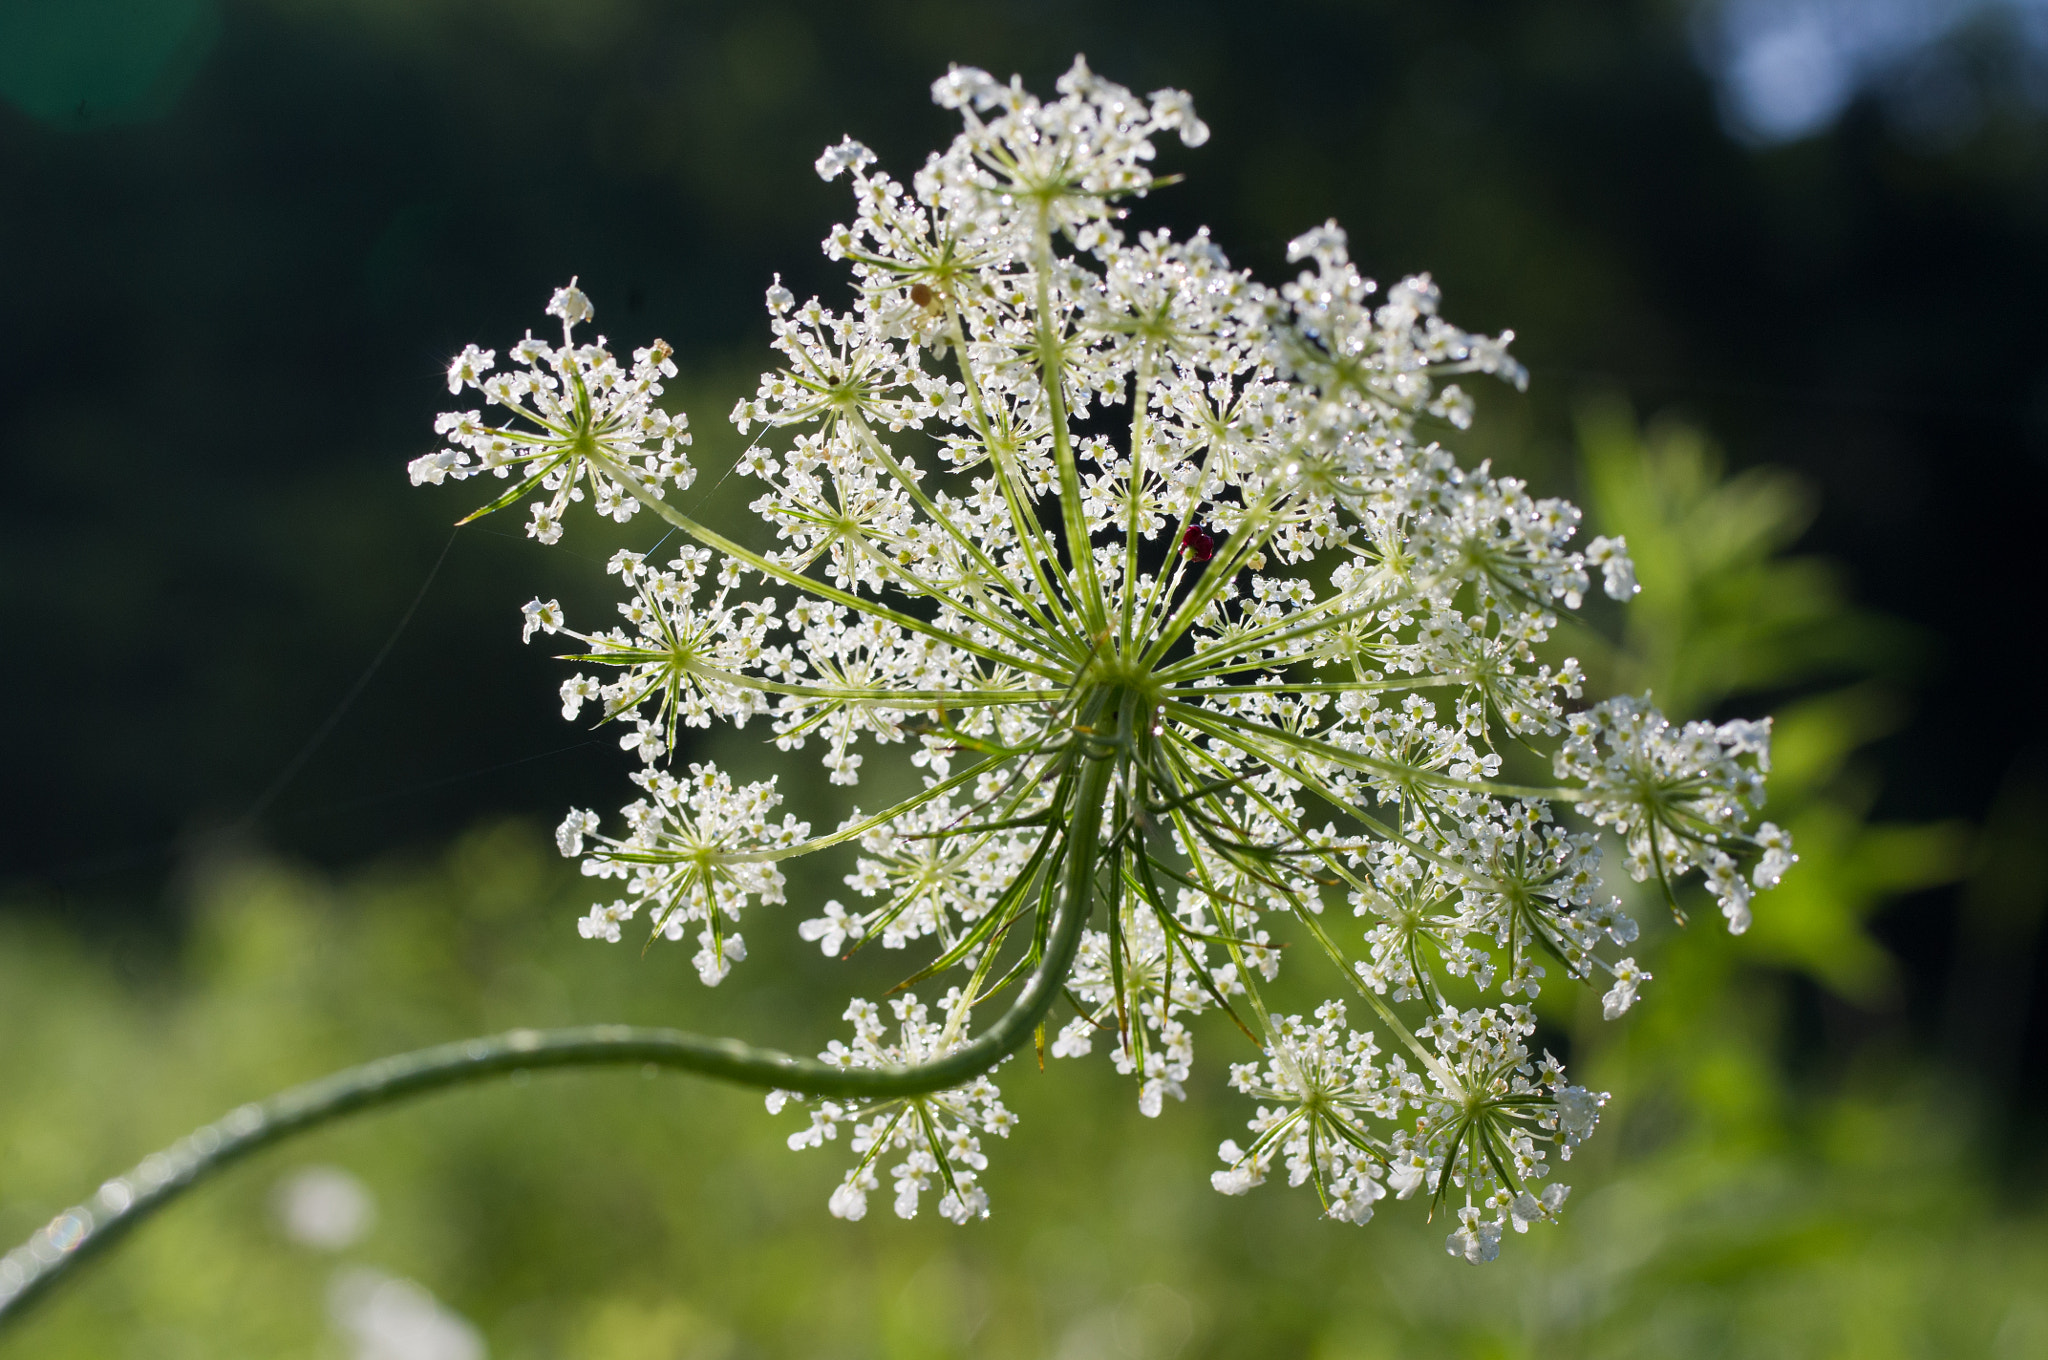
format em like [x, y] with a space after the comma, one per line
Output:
[1165, 697]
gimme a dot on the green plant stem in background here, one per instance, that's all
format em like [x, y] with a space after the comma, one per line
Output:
[54, 1252]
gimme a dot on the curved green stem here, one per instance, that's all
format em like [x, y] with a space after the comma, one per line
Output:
[53, 1253]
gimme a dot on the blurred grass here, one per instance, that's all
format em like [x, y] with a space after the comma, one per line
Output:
[1742, 1199]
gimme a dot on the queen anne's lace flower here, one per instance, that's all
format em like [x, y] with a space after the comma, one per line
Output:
[1043, 489]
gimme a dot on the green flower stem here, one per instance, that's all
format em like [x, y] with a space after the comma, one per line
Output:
[899, 699]
[855, 830]
[1141, 407]
[1386, 1013]
[1308, 780]
[1247, 735]
[54, 1252]
[1229, 652]
[1255, 531]
[1429, 1060]
[1165, 582]
[953, 597]
[1052, 378]
[1324, 687]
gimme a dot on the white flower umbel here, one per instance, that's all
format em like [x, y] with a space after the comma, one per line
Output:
[582, 420]
[695, 853]
[1045, 495]
[939, 1135]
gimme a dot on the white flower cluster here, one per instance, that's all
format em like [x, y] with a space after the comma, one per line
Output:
[695, 853]
[1481, 1110]
[1537, 896]
[586, 420]
[1136, 986]
[1046, 494]
[939, 1135]
[1679, 795]
[684, 658]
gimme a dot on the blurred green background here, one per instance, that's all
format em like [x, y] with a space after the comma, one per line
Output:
[1777, 266]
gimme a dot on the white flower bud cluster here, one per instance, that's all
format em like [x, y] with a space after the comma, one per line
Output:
[1043, 493]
